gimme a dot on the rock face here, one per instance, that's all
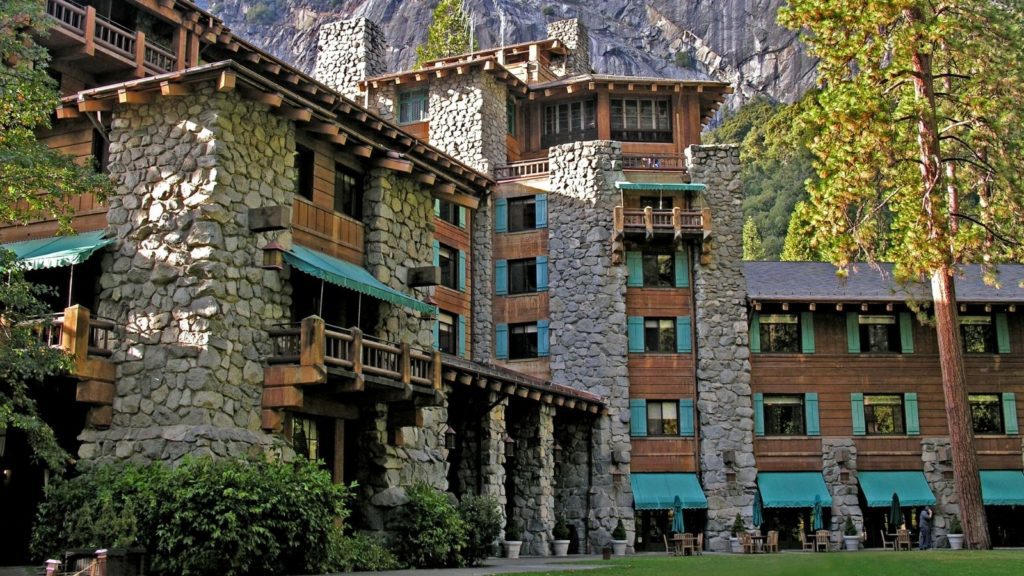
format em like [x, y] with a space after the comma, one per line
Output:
[732, 40]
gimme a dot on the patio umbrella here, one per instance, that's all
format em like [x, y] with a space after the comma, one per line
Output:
[677, 516]
[758, 509]
[895, 515]
[816, 522]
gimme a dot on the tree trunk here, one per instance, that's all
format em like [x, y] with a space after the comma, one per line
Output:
[958, 412]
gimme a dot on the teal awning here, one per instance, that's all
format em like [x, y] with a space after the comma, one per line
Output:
[661, 186]
[1002, 487]
[348, 275]
[792, 489]
[911, 486]
[659, 491]
[57, 251]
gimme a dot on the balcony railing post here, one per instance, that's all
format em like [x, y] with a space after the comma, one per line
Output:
[75, 332]
[677, 221]
[312, 342]
[649, 221]
[357, 353]
[140, 54]
[619, 219]
[705, 221]
[90, 30]
[436, 370]
[405, 368]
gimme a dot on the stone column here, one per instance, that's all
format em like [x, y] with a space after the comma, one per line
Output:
[493, 446]
[723, 354]
[467, 119]
[574, 35]
[348, 52]
[588, 315]
[936, 455]
[533, 475]
[572, 471]
[482, 349]
[839, 456]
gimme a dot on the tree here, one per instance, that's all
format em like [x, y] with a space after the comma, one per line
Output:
[449, 34]
[753, 248]
[920, 137]
[35, 183]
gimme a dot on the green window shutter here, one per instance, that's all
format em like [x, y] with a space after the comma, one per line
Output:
[462, 271]
[686, 417]
[542, 273]
[635, 331]
[857, 412]
[460, 337]
[684, 337]
[1010, 413]
[541, 201]
[1002, 333]
[501, 277]
[635, 269]
[853, 332]
[462, 216]
[437, 253]
[638, 418]
[906, 333]
[501, 215]
[807, 332]
[759, 414]
[755, 332]
[437, 207]
[913, 420]
[501, 342]
[682, 270]
[811, 414]
[543, 338]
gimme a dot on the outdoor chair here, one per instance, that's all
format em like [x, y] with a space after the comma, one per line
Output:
[887, 544]
[821, 542]
[689, 543]
[699, 548]
[670, 547]
[808, 542]
[747, 543]
[772, 543]
[903, 539]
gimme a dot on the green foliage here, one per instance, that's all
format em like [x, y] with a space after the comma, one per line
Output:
[360, 553]
[954, 525]
[513, 530]
[548, 10]
[560, 531]
[850, 529]
[738, 527]
[753, 247]
[482, 518]
[685, 59]
[432, 535]
[448, 35]
[263, 12]
[619, 533]
[203, 517]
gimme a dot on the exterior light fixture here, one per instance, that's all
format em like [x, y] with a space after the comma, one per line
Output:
[510, 446]
[449, 438]
[273, 256]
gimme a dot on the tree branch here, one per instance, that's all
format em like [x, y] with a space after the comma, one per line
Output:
[987, 228]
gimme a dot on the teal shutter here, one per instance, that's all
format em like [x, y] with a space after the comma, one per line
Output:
[853, 332]
[437, 333]
[542, 273]
[543, 339]
[638, 417]
[541, 201]
[635, 331]
[462, 216]
[1002, 333]
[755, 332]
[913, 420]
[1010, 413]
[857, 412]
[460, 337]
[682, 270]
[759, 414]
[437, 253]
[437, 207]
[906, 333]
[635, 269]
[686, 417]
[501, 342]
[501, 215]
[807, 332]
[811, 414]
[501, 277]
[684, 338]
[462, 271]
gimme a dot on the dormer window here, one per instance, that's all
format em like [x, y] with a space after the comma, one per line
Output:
[413, 106]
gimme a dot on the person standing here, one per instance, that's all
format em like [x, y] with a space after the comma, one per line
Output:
[924, 521]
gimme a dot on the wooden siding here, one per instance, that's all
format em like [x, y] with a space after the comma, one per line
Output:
[661, 376]
[659, 302]
[536, 367]
[663, 454]
[520, 308]
[787, 454]
[526, 244]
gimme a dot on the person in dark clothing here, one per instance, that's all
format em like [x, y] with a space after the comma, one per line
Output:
[924, 521]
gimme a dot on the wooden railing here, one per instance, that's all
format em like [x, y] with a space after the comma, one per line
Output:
[669, 162]
[651, 221]
[526, 169]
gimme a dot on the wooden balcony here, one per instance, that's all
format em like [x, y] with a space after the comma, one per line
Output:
[522, 170]
[675, 223]
[655, 162]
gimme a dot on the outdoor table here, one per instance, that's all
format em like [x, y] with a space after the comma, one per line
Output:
[685, 543]
[758, 541]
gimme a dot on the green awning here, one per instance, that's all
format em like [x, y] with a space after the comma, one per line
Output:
[659, 491]
[348, 275]
[792, 489]
[911, 486]
[1002, 487]
[661, 186]
[57, 251]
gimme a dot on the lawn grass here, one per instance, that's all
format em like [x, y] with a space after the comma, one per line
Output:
[864, 563]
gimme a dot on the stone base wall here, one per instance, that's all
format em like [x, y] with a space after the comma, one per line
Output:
[467, 119]
[533, 474]
[839, 468]
[481, 348]
[936, 455]
[572, 473]
[348, 52]
[574, 35]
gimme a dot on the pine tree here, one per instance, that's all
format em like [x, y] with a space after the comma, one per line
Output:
[449, 33]
[753, 248]
[920, 139]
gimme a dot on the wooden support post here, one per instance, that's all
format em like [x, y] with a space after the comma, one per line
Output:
[619, 219]
[436, 365]
[90, 31]
[649, 221]
[357, 357]
[677, 221]
[312, 340]
[405, 363]
[140, 54]
[75, 335]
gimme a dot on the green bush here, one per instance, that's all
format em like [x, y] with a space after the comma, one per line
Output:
[620, 531]
[430, 532]
[954, 526]
[360, 553]
[850, 529]
[482, 517]
[560, 531]
[514, 530]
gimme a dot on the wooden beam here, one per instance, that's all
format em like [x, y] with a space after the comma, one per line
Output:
[226, 82]
[319, 127]
[270, 67]
[174, 89]
[339, 139]
[446, 188]
[297, 114]
[471, 202]
[403, 166]
[95, 105]
[269, 98]
[360, 150]
[125, 96]
[66, 112]
[423, 177]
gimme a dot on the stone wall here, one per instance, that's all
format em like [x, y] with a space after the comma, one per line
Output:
[184, 277]
[482, 349]
[467, 119]
[348, 52]
[839, 469]
[572, 471]
[723, 355]
[588, 315]
[532, 428]
[574, 35]
[936, 454]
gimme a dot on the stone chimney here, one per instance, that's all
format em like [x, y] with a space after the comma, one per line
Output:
[574, 35]
[348, 52]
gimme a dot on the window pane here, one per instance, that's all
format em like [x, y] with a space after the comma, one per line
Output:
[659, 270]
[563, 118]
[522, 276]
[662, 418]
[883, 414]
[448, 261]
[784, 415]
[630, 114]
[522, 341]
[987, 413]
[446, 332]
[662, 122]
[522, 214]
[780, 333]
[978, 334]
[646, 112]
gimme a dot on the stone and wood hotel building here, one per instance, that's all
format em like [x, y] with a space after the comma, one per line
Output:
[501, 274]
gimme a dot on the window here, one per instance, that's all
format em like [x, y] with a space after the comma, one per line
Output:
[662, 418]
[447, 259]
[522, 213]
[313, 438]
[100, 152]
[656, 202]
[659, 270]
[446, 332]
[569, 122]
[784, 415]
[659, 335]
[522, 341]
[883, 414]
[879, 333]
[413, 106]
[641, 120]
[522, 276]
[987, 413]
[348, 192]
[304, 159]
[979, 334]
[448, 212]
[780, 333]
[510, 116]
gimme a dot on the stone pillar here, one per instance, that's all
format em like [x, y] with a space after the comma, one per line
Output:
[936, 454]
[534, 475]
[574, 35]
[482, 349]
[493, 446]
[588, 315]
[723, 354]
[467, 119]
[572, 471]
[348, 52]
[839, 456]
[184, 279]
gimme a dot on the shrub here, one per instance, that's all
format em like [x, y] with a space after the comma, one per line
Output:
[954, 526]
[431, 534]
[850, 528]
[513, 530]
[737, 525]
[359, 553]
[620, 531]
[560, 531]
[482, 517]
